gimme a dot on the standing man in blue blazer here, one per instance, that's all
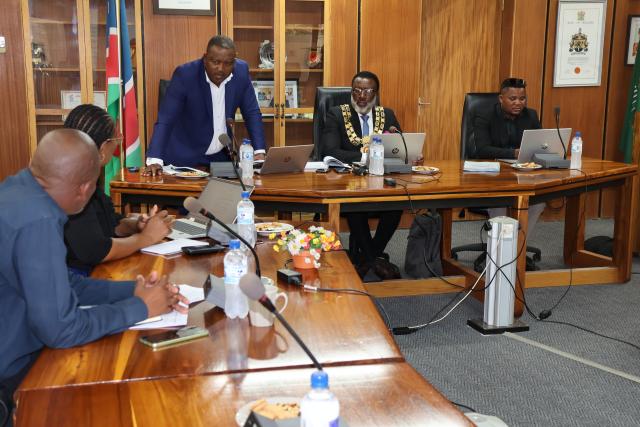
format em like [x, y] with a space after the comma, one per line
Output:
[201, 100]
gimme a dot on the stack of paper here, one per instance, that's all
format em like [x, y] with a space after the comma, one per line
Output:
[171, 247]
[481, 166]
[173, 319]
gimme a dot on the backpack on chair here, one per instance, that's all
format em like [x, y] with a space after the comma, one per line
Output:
[422, 259]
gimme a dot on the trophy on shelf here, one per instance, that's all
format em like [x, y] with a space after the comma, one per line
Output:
[314, 58]
[266, 53]
[38, 57]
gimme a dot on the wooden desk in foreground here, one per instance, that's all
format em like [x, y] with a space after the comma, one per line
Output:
[389, 394]
[341, 329]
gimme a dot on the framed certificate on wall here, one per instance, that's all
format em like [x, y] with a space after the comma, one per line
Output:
[184, 7]
[579, 43]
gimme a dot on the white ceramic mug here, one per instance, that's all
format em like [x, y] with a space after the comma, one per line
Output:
[260, 316]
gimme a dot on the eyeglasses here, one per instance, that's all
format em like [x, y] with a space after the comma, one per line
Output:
[357, 91]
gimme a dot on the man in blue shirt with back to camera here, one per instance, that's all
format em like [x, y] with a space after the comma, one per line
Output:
[200, 102]
[39, 300]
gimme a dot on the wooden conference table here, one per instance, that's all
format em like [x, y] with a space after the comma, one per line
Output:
[119, 381]
[333, 193]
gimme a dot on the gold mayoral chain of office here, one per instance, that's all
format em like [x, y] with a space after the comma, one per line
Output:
[378, 126]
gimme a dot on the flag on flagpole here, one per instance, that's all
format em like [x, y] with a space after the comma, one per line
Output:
[633, 105]
[121, 99]
[113, 86]
[133, 156]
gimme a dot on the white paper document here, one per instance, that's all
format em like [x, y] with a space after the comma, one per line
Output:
[171, 247]
[481, 166]
[173, 319]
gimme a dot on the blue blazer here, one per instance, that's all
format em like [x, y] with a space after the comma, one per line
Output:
[184, 128]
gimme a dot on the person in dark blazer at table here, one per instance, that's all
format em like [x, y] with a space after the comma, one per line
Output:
[98, 233]
[498, 131]
[41, 301]
[201, 100]
[346, 135]
[498, 134]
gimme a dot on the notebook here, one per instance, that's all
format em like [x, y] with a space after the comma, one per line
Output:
[540, 141]
[394, 148]
[286, 159]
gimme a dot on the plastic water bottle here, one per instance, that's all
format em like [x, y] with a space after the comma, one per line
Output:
[319, 407]
[376, 157]
[235, 266]
[246, 225]
[576, 151]
[246, 159]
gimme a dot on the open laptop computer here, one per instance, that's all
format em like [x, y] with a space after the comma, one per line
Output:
[540, 141]
[220, 197]
[286, 159]
[394, 148]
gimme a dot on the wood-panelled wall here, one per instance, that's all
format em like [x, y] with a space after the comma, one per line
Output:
[14, 131]
[461, 53]
[170, 40]
[390, 47]
[342, 46]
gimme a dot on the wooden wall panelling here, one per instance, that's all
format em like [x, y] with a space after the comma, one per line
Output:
[461, 54]
[619, 82]
[582, 108]
[522, 45]
[14, 133]
[170, 40]
[341, 47]
[390, 47]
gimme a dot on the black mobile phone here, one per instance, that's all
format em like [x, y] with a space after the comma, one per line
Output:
[342, 170]
[200, 250]
[164, 339]
[133, 169]
[322, 170]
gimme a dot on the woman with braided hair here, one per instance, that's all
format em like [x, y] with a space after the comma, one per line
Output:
[98, 233]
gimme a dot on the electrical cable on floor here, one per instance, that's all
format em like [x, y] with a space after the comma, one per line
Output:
[469, 408]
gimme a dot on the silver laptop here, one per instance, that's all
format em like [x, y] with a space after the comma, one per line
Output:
[286, 159]
[220, 197]
[394, 148]
[540, 141]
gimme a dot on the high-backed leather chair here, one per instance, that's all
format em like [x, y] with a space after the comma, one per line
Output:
[326, 97]
[473, 104]
[162, 90]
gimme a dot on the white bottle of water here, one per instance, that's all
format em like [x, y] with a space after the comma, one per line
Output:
[235, 266]
[376, 157]
[244, 218]
[576, 151]
[319, 407]
[246, 159]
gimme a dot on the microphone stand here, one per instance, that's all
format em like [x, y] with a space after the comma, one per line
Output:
[212, 217]
[406, 150]
[226, 142]
[297, 338]
[556, 110]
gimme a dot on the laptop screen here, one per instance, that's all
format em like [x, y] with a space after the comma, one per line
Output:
[221, 197]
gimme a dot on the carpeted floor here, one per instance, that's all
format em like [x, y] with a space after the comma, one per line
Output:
[578, 379]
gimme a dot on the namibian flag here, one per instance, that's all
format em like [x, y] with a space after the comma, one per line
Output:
[120, 72]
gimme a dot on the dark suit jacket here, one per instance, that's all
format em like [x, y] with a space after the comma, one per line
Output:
[491, 132]
[184, 128]
[334, 136]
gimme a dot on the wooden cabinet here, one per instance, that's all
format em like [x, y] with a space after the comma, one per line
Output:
[291, 33]
[65, 57]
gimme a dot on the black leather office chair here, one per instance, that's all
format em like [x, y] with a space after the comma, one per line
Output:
[162, 90]
[326, 97]
[473, 104]
[5, 405]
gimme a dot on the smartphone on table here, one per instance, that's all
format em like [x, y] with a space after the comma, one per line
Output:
[167, 338]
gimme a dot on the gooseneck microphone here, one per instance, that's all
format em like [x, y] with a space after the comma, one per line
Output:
[226, 141]
[556, 111]
[394, 129]
[193, 205]
[253, 288]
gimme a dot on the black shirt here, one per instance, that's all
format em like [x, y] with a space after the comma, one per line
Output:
[88, 234]
[497, 136]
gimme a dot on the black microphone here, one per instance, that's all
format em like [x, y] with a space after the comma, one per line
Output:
[231, 124]
[253, 288]
[226, 141]
[556, 111]
[394, 129]
[193, 205]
